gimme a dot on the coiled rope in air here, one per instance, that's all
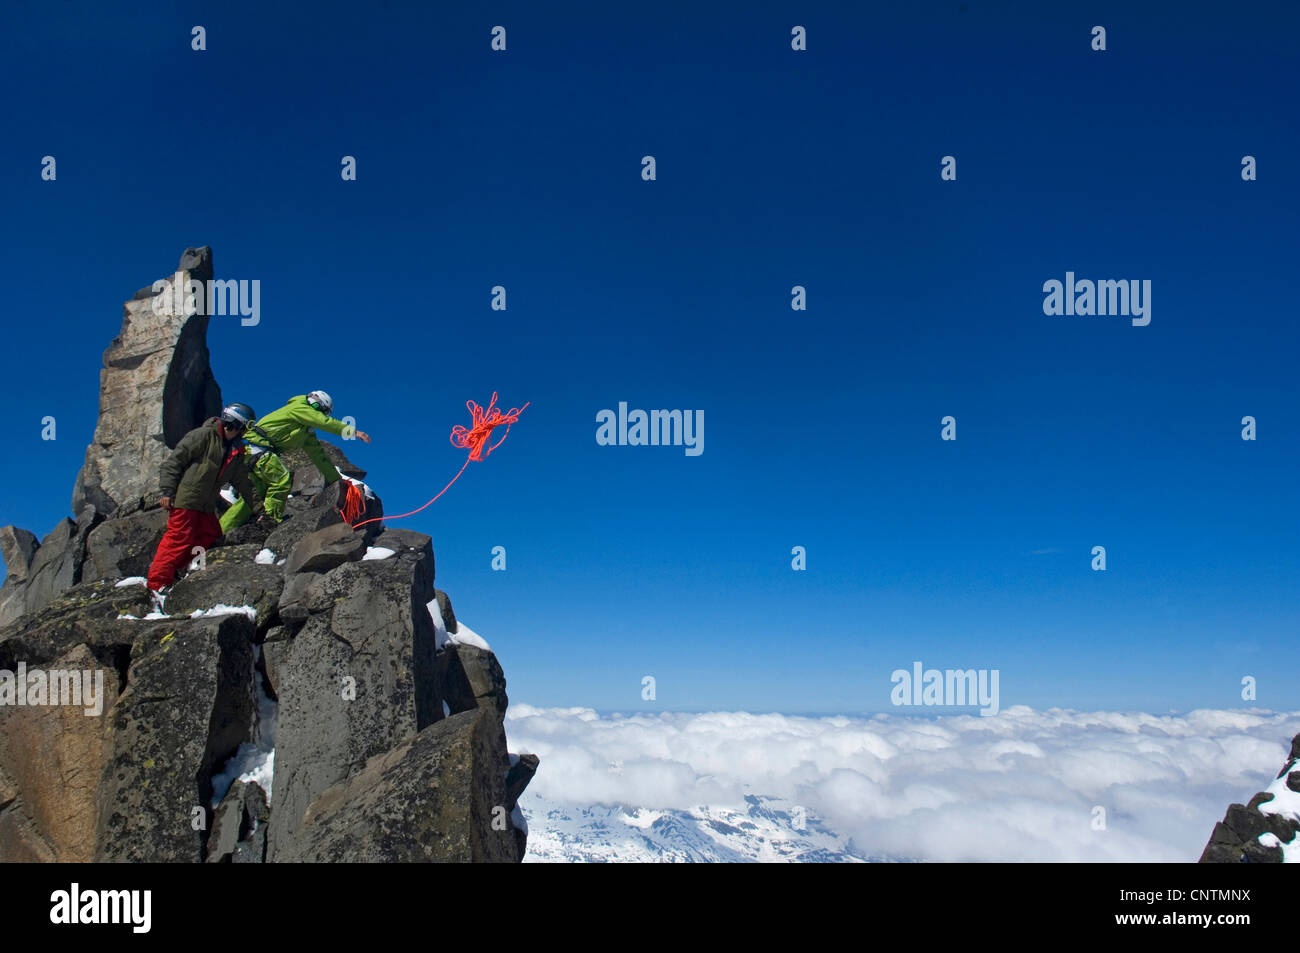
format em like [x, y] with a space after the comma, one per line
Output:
[474, 439]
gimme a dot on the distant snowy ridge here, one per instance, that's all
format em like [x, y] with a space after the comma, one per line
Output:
[760, 830]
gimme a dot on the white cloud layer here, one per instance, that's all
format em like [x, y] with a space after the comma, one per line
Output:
[1020, 786]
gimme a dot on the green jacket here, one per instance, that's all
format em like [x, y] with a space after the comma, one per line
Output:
[193, 477]
[293, 427]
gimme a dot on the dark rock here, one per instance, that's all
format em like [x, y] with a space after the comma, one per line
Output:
[252, 850]
[407, 547]
[59, 559]
[227, 820]
[135, 504]
[238, 833]
[438, 797]
[254, 531]
[304, 516]
[274, 656]
[472, 678]
[13, 601]
[318, 593]
[306, 513]
[197, 261]
[307, 479]
[1256, 853]
[1235, 839]
[188, 705]
[1224, 846]
[1260, 798]
[18, 547]
[448, 614]
[406, 542]
[359, 679]
[156, 385]
[326, 548]
[231, 578]
[521, 842]
[125, 545]
[1247, 822]
[522, 771]
[293, 608]
[308, 593]
[83, 615]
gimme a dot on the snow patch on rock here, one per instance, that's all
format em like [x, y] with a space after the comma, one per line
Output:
[462, 636]
[222, 609]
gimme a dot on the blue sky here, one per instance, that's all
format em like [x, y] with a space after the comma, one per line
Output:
[775, 168]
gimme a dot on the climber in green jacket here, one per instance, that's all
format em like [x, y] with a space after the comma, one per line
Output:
[292, 427]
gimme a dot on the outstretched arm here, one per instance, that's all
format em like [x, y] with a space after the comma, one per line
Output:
[309, 416]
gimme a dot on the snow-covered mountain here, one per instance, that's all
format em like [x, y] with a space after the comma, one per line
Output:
[1267, 828]
[765, 829]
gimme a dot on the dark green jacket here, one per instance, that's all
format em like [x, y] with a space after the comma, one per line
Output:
[192, 475]
[294, 427]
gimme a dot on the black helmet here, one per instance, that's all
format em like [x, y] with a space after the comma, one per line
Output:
[238, 416]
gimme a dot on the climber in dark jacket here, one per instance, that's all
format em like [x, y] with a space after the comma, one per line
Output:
[190, 482]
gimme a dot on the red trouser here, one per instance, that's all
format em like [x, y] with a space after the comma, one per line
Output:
[185, 530]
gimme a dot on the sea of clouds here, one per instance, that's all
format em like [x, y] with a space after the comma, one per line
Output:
[1020, 786]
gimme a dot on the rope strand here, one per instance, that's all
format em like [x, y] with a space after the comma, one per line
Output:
[474, 439]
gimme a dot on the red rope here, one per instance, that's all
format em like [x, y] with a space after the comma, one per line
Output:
[354, 503]
[473, 439]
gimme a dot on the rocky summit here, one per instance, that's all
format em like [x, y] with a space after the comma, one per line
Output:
[304, 695]
[1263, 830]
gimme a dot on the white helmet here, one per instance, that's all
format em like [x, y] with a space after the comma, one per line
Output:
[324, 403]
